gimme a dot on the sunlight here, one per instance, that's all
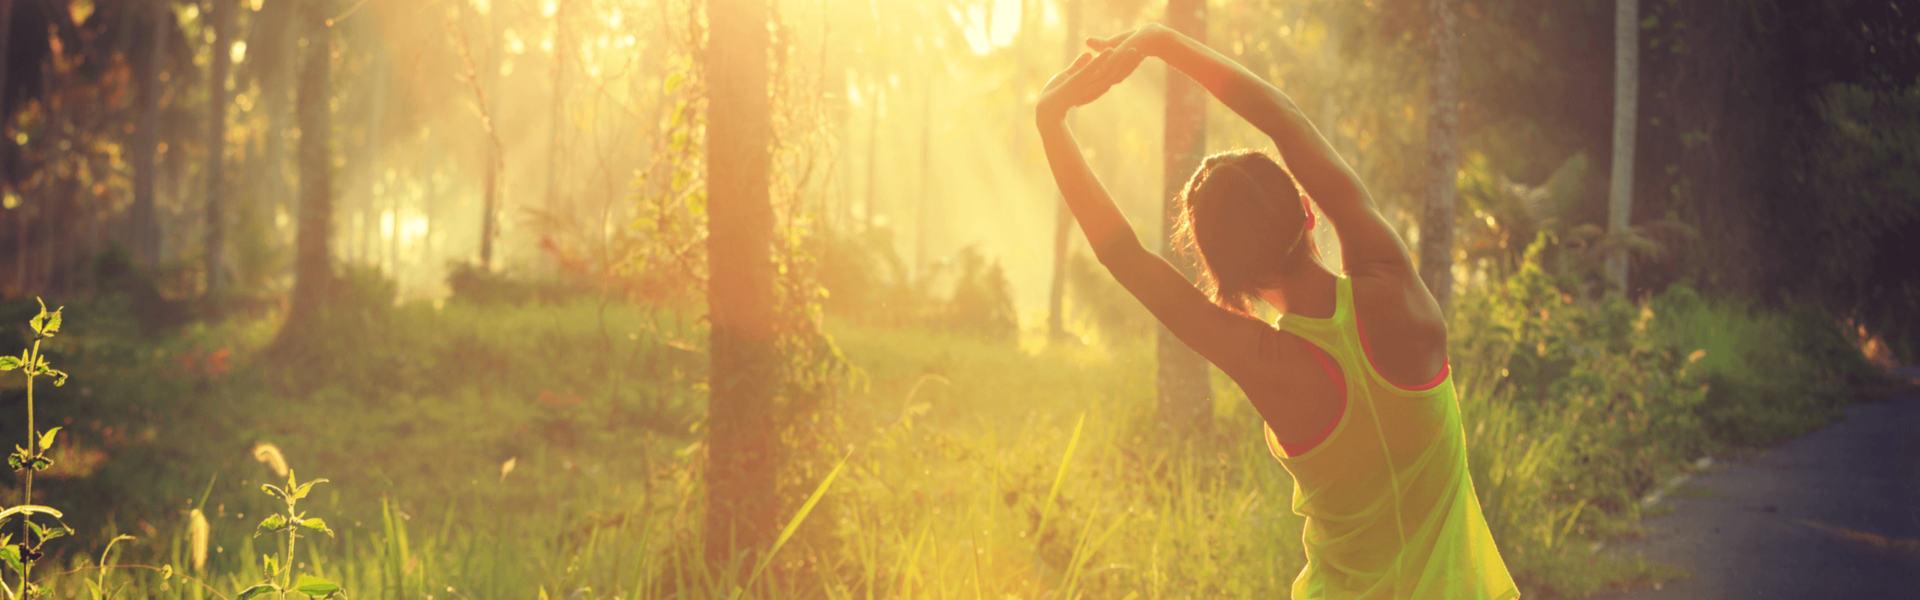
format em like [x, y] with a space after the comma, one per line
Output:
[1006, 24]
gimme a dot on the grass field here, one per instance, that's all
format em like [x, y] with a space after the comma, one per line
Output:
[491, 452]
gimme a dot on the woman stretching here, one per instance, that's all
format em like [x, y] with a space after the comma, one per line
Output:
[1367, 426]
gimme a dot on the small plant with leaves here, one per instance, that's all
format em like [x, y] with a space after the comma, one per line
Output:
[279, 570]
[20, 555]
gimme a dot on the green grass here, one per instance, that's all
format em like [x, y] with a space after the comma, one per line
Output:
[972, 469]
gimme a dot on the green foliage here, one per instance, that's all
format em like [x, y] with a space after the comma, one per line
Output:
[867, 282]
[30, 459]
[972, 471]
[1577, 412]
[472, 283]
[280, 575]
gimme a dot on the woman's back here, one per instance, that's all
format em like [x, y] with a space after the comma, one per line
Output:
[1391, 511]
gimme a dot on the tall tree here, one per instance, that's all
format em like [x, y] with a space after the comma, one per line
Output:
[1062, 218]
[146, 226]
[740, 446]
[489, 220]
[312, 267]
[222, 21]
[1443, 155]
[1626, 95]
[1186, 395]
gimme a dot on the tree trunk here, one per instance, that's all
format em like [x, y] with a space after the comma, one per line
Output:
[489, 219]
[1186, 394]
[873, 153]
[1443, 158]
[920, 235]
[145, 235]
[216, 243]
[1626, 96]
[741, 448]
[559, 105]
[376, 122]
[1062, 217]
[431, 156]
[313, 269]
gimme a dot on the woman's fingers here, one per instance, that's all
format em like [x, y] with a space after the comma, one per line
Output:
[1103, 43]
[1124, 62]
[1079, 65]
[1080, 61]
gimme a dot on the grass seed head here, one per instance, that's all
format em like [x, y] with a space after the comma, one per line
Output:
[197, 526]
[268, 453]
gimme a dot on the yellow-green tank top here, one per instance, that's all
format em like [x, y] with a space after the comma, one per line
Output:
[1389, 505]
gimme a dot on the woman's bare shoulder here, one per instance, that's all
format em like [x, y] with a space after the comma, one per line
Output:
[1403, 325]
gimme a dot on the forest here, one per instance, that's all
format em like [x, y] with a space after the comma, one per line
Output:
[779, 299]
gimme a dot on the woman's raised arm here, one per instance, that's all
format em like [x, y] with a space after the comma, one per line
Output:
[1366, 241]
[1230, 341]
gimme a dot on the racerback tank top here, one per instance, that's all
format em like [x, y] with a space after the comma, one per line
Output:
[1389, 505]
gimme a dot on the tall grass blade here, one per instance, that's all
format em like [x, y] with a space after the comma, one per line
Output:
[793, 525]
[1047, 509]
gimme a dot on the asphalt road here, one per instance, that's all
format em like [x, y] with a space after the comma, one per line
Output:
[1835, 514]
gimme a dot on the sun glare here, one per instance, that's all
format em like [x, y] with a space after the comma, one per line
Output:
[1006, 24]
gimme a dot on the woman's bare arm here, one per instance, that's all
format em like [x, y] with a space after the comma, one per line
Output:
[1366, 241]
[1230, 341]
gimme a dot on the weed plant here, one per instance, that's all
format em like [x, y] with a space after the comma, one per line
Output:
[20, 556]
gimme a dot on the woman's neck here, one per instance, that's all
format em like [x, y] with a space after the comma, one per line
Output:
[1307, 291]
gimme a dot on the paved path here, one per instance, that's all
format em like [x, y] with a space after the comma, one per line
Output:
[1835, 514]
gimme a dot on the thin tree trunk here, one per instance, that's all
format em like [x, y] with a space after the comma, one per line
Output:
[559, 105]
[1443, 159]
[920, 233]
[742, 454]
[1062, 218]
[1186, 394]
[6, 29]
[313, 269]
[432, 157]
[873, 153]
[376, 171]
[145, 235]
[490, 223]
[1626, 97]
[216, 241]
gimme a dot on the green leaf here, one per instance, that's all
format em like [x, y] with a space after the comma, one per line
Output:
[301, 492]
[273, 490]
[41, 463]
[53, 322]
[273, 566]
[316, 525]
[9, 363]
[256, 591]
[315, 586]
[59, 377]
[46, 439]
[94, 588]
[47, 533]
[273, 523]
[11, 554]
[15, 461]
[39, 322]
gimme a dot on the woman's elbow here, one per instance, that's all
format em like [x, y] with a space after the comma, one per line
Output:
[1119, 250]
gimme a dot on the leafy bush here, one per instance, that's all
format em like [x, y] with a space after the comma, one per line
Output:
[867, 282]
[1577, 411]
[472, 283]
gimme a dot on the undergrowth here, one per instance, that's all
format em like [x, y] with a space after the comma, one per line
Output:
[484, 451]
